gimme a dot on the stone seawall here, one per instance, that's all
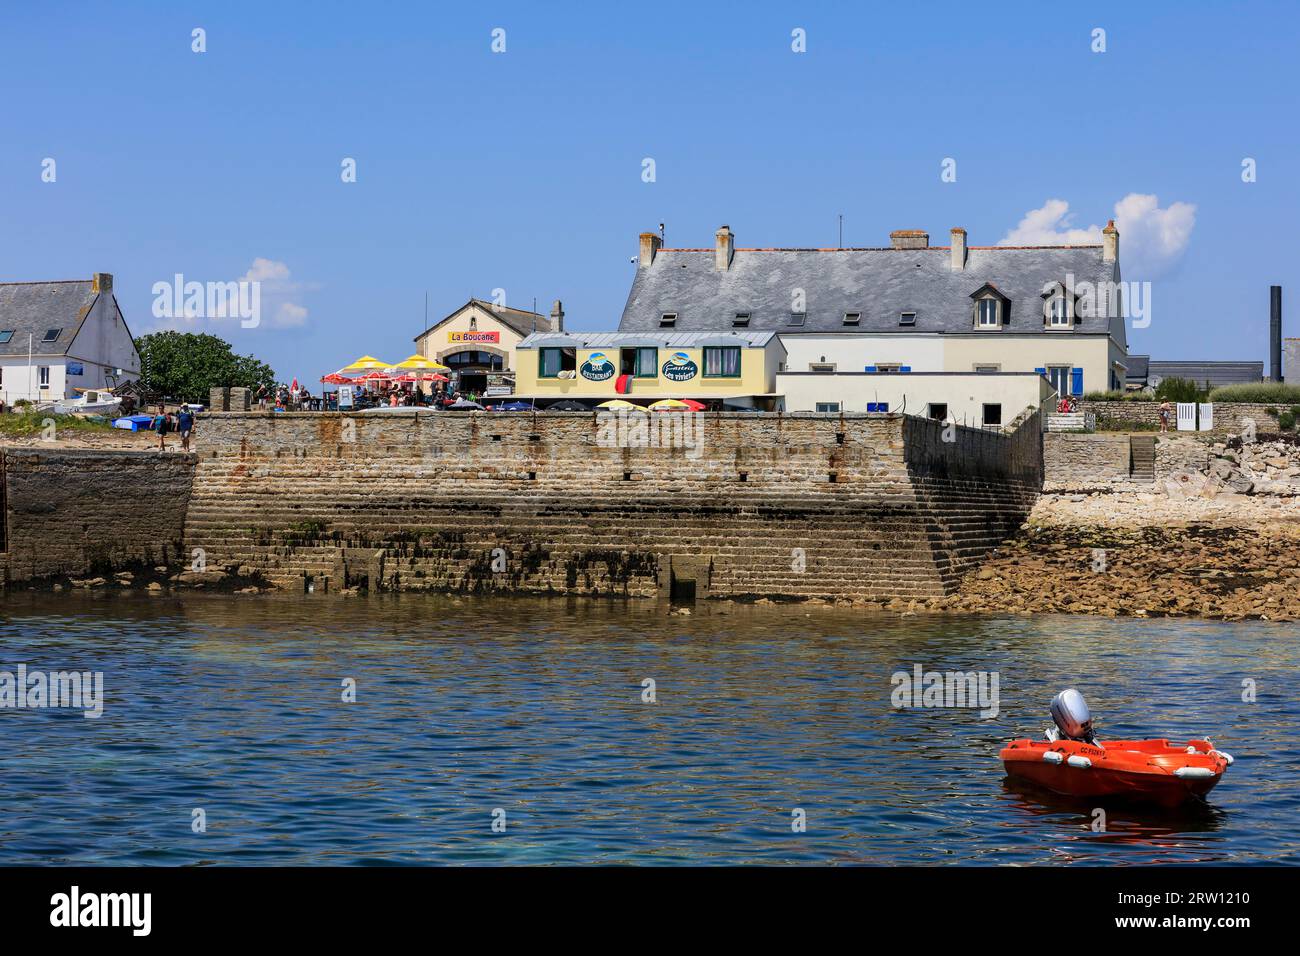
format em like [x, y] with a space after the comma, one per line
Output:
[74, 512]
[866, 506]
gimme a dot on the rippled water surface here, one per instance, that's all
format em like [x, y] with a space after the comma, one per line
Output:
[534, 707]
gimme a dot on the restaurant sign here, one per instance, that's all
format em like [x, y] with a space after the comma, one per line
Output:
[680, 368]
[597, 368]
[494, 337]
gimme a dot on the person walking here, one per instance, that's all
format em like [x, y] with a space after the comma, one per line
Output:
[185, 425]
[162, 425]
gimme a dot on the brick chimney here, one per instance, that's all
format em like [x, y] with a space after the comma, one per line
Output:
[724, 247]
[909, 239]
[557, 317]
[102, 282]
[1110, 243]
[958, 249]
[650, 244]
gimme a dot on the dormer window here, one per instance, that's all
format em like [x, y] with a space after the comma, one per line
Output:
[797, 318]
[1058, 313]
[991, 308]
[988, 313]
[740, 321]
[51, 335]
[907, 318]
[852, 318]
[668, 320]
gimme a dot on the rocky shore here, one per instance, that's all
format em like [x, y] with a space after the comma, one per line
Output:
[1224, 556]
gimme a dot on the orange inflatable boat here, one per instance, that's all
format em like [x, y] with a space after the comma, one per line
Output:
[1148, 770]
[1074, 762]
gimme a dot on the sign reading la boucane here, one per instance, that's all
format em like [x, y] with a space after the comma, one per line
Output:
[493, 337]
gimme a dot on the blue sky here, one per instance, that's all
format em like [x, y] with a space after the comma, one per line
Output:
[522, 170]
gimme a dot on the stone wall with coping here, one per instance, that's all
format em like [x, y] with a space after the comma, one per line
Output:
[1228, 416]
[73, 512]
[754, 505]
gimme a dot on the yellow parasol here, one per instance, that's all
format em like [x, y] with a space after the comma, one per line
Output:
[421, 364]
[367, 363]
[617, 403]
[669, 405]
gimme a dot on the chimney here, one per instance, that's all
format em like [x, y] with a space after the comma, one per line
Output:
[1275, 330]
[1110, 243]
[102, 282]
[650, 244]
[724, 246]
[958, 249]
[557, 317]
[909, 239]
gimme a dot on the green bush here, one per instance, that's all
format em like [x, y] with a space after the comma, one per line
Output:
[1180, 390]
[1257, 392]
[1286, 421]
[1271, 412]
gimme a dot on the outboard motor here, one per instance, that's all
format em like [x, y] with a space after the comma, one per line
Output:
[1070, 711]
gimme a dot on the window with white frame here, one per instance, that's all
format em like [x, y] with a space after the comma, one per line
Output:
[1058, 313]
[43, 372]
[988, 313]
[828, 406]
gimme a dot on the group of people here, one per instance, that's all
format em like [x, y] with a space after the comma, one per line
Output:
[284, 397]
[165, 422]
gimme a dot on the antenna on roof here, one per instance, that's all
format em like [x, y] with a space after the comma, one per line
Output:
[841, 245]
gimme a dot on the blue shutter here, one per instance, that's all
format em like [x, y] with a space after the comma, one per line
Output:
[1041, 371]
[1076, 381]
[869, 368]
[905, 368]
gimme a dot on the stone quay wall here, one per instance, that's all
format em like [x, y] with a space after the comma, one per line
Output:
[1074, 461]
[74, 512]
[749, 506]
[1228, 416]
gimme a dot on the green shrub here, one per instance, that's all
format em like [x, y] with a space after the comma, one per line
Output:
[1106, 424]
[1295, 410]
[1176, 389]
[1257, 392]
[1115, 396]
[1286, 421]
[1271, 412]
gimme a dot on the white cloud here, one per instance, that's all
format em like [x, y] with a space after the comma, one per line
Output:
[290, 313]
[279, 292]
[1152, 240]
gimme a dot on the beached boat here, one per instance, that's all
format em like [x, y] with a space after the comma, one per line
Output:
[91, 401]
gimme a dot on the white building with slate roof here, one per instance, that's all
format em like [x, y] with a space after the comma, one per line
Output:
[58, 337]
[1057, 311]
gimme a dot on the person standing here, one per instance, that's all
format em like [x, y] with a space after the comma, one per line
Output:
[162, 425]
[1165, 409]
[185, 425]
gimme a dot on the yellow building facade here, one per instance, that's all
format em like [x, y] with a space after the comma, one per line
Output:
[737, 369]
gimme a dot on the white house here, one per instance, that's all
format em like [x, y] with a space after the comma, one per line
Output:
[57, 338]
[1051, 311]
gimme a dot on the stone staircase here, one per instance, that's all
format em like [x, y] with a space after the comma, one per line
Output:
[1142, 460]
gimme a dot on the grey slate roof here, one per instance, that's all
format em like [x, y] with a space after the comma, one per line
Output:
[1216, 373]
[878, 283]
[659, 339]
[34, 307]
[1136, 371]
[520, 320]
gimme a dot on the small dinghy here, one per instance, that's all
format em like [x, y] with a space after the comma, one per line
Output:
[1073, 762]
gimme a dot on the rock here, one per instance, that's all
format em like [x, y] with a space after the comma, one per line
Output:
[986, 574]
[199, 579]
[154, 587]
